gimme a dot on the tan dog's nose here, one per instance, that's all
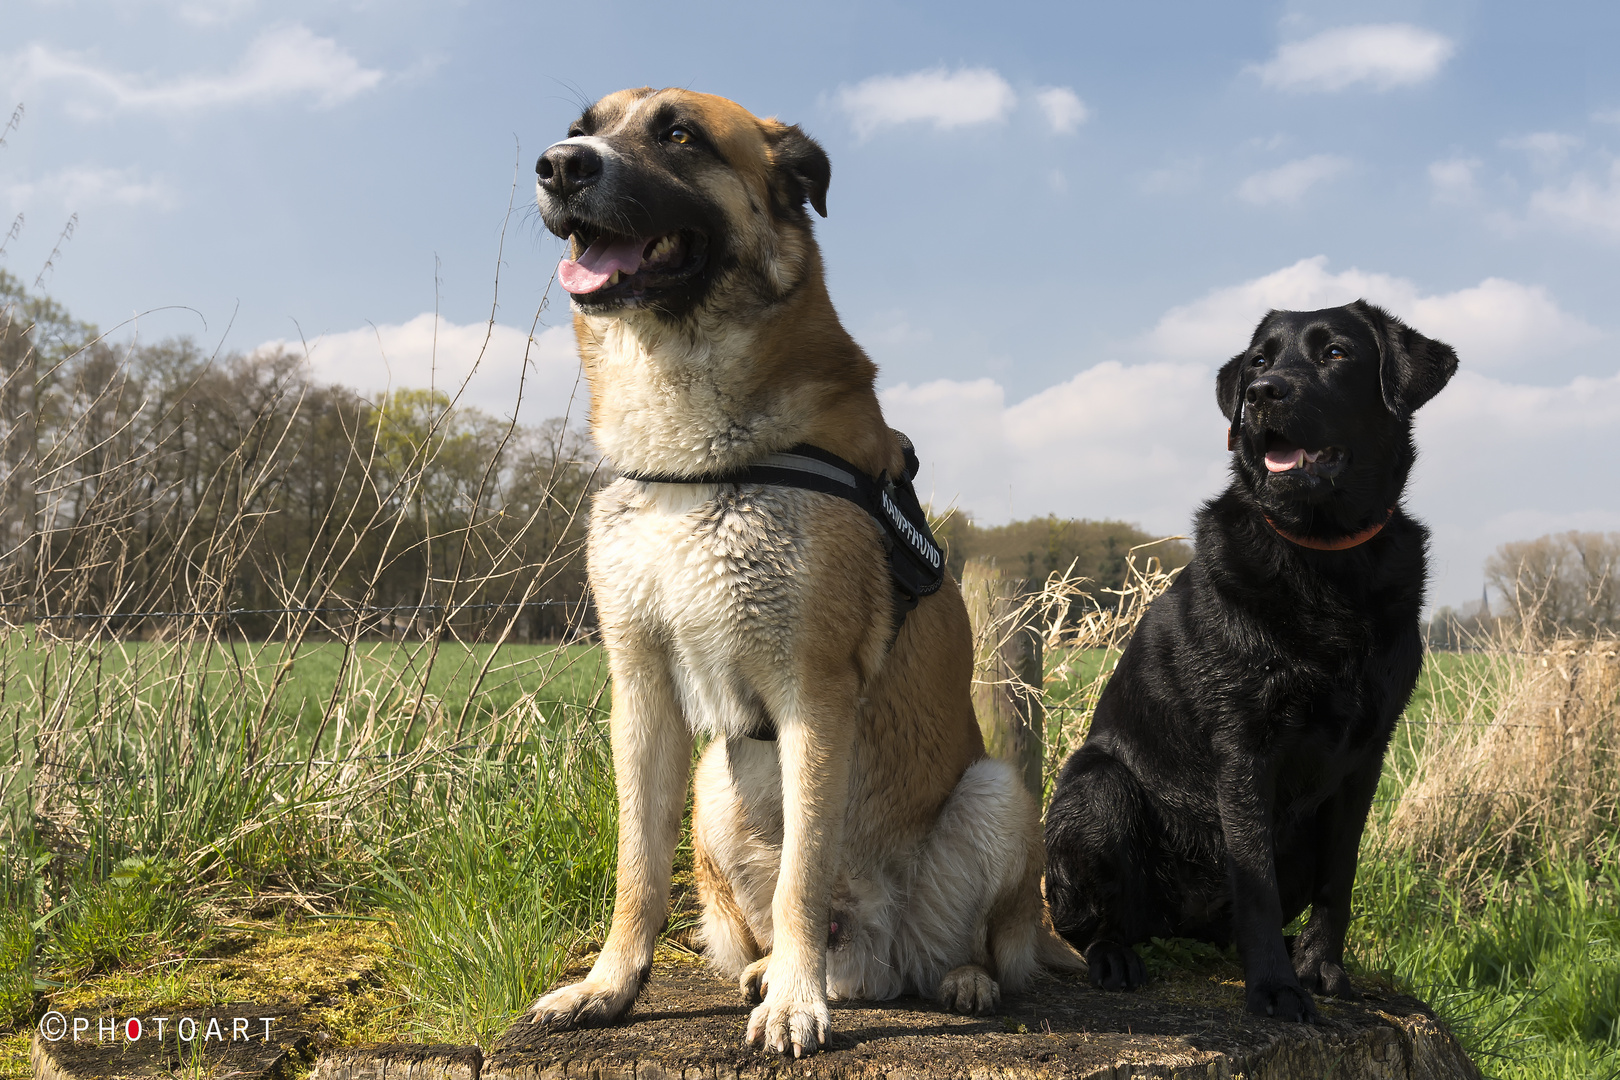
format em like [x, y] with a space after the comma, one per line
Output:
[568, 167]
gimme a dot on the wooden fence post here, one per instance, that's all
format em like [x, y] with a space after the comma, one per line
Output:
[1007, 671]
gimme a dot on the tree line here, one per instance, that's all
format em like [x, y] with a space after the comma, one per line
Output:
[141, 480]
[1035, 548]
[1558, 585]
[157, 478]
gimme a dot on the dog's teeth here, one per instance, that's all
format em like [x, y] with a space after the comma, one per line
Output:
[613, 278]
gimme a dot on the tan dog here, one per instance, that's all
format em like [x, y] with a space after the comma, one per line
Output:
[871, 849]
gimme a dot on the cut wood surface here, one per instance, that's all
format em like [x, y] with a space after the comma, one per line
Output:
[689, 1024]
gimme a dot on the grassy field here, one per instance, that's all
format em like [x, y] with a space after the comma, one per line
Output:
[451, 822]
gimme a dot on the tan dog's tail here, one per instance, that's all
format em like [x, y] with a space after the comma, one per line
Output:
[1055, 954]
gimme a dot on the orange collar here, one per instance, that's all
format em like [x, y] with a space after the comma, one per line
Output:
[1344, 543]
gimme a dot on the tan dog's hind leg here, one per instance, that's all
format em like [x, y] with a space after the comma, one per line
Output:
[651, 751]
[735, 868]
[815, 738]
[979, 885]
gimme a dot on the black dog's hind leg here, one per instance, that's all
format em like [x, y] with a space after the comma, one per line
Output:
[1271, 988]
[1319, 949]
[1098, 841]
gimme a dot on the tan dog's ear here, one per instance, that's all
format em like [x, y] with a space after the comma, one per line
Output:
[802, 169]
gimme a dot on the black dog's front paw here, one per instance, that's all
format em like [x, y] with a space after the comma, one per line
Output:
[1114, 966]
[1326, 978]
[1281, 1001]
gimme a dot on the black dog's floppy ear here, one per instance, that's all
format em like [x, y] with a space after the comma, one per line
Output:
[1228, 388]
[1229, 396]
[1411, 368]
[802, 166]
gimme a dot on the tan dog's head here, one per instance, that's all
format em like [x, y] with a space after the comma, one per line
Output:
[674, 202]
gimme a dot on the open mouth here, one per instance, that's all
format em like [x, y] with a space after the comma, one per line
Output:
[606, 266]
[1283, 455]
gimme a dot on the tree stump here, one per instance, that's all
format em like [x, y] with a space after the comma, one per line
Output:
[1007, 671]
[690, 1024]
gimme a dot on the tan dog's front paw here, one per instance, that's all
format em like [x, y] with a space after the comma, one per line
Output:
[584, 1004]
[969, 989]
[784, 1021]
[754, 984]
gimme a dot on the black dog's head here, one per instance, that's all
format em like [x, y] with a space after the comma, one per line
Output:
[670, 197]
[1321, 407]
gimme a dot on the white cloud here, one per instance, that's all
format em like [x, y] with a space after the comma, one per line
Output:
[1146, 442]
[374, 359]
[285, 63]
[1138, 441]
[1453, 179]
[1382, 56]
[1288, 183]
[946, 99]
[1063, 108]
[1501, 461]
[1547, 150]
[1584, 203]
[1497, 325]
[83, 186]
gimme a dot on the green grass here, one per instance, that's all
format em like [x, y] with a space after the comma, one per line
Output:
[179, 790]
[488, 917]
[481, 680]
[491, 855]
[1526, 969]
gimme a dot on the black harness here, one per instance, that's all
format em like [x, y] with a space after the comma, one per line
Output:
[916, 564]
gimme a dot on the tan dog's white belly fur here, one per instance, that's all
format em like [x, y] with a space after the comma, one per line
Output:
[728, 608]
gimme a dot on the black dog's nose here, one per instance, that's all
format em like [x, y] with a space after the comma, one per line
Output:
[1267, 387]
[568, 167]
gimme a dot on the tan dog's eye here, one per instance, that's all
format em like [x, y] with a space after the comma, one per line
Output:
[680, 135]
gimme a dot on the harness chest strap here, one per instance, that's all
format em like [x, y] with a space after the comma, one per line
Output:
[916, 564]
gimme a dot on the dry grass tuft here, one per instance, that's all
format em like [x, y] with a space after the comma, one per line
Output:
[1521, 761]
[1085, 632]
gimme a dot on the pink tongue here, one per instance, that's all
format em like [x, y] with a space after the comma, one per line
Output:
[596, 264]
[1283, 460]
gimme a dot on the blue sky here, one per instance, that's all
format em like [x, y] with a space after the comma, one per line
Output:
[1048, 223]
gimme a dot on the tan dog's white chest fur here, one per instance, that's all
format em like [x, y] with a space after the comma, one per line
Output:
[871, 848]
[711, 580]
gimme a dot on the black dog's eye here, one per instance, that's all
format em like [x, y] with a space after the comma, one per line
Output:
[679, 135]
[1259, 360]
[1335, 353]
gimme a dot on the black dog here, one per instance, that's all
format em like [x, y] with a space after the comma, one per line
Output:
[1234, 754]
